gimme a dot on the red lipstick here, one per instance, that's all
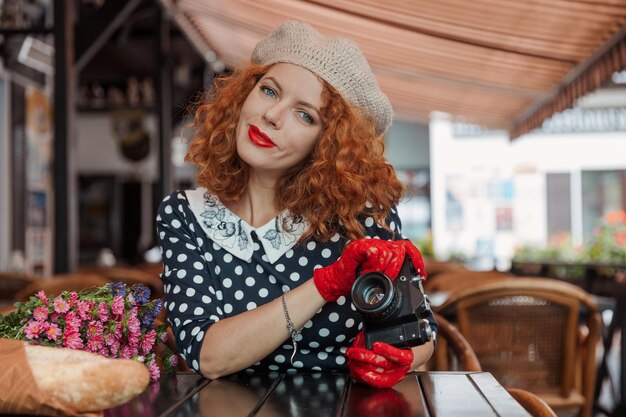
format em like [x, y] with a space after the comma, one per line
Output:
[259, 138]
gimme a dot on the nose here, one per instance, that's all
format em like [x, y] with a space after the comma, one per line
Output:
[273, 115]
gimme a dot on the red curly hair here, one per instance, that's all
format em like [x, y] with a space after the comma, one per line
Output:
[345, 178]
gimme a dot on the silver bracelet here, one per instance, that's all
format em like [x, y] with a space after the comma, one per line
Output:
[291, 328]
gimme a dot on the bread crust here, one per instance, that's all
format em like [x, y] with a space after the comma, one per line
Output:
[85, 381]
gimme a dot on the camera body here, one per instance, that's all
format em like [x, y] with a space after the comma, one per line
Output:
[394, 311]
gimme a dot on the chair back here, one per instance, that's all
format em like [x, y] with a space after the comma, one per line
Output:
[56, 284]
[525, 331]
[453, 352]
[131, 276]
[434, 268]
[531, 403]
[12, 283]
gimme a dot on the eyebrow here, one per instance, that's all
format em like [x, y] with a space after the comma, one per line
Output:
[302, 102]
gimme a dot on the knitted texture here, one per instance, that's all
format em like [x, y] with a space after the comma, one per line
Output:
[337, 61]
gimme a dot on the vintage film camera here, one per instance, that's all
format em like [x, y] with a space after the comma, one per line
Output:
[394, 311]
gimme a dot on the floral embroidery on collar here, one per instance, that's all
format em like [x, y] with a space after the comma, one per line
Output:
[230, 232]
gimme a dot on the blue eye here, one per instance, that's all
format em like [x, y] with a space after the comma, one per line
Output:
[268, 91]
[308, 119]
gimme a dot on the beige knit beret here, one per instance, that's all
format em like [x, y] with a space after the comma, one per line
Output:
[337, 61]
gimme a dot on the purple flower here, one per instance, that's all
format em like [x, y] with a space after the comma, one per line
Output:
[158, 305]
[117, 288]
[141, 294]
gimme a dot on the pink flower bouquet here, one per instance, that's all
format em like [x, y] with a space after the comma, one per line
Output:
[115, 321]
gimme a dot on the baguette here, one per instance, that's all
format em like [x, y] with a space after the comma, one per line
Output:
[85, 381]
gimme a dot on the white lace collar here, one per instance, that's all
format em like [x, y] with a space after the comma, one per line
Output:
[230, 232]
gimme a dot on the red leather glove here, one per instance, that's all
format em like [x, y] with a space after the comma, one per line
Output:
[381, 367]
[377, 255]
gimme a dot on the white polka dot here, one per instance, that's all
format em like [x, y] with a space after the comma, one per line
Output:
[392, 225]
[177, 321]
[265, 258]
[285, 288]
[251, 305]
[259, 269]
[219, 295]
[195, 331]
[217, 269]
[168, 253]
[369, 222]
[326, 253]
[250, 281]
[349, 323]
[308, 324]
[174, 239]
[314, 345]
[263, 292]
[340, 338]
[199, 241]
[335, 238]
[168, 209]
[329, 348]
[341, 300]
[316, 368]
[294, 276]
[298, 364]
[198, 279]
[324, 332]
[256, 246]
[216, 246]
[280, 267]
[194, 365]
[214, 318]
[206, 299]
[183, 307]
[162, 235]
[238, 270]
[340, 360]
[303, 261]
[167, 197]
[333, 317]
[176, 224]
[190, 292]
[289, 254]
[198, 265]
[322, 355]
[227, 282]
[228, 258]
[200, 336]
[311, 245]
[189, 246]
[273, 368]
[272, 279]
[181, 258]
[181, 273]
[176, 289]
[219, 311]
[170, 306]
[279, 358]
[191, 227]
[211, 290]
[360, 326]
[228, 308]
[182, 335]
[198, 311]
[208, 257]
[239, 295]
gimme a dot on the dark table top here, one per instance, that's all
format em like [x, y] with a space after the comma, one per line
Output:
[429, 394]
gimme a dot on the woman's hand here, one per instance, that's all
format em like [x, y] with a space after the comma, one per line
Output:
[381, 367]
[377, 255]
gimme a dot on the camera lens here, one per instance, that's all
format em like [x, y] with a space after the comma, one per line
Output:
[374, 296]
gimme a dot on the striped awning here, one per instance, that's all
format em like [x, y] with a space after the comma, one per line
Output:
[498, 63]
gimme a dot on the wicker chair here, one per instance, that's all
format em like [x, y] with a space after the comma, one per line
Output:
[526, 332]
[56, 284]
[453, 352]
[531, 403]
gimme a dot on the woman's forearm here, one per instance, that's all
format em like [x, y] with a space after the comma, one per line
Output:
[237, 342]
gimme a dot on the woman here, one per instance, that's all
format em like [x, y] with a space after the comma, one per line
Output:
[292, 176]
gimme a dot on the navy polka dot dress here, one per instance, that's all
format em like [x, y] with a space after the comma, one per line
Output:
[217, 266]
